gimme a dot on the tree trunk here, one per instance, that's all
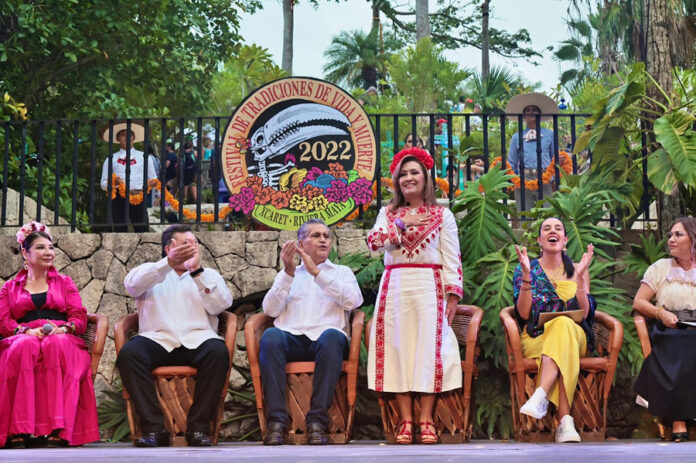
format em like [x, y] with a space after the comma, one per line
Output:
[375, 17]
[288, 20]
[659, 66]
[422, 19]
[485, 35]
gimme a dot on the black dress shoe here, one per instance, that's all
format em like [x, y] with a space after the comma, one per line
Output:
[316, 434]
[198, 439]
[153, 439]
[275, 434]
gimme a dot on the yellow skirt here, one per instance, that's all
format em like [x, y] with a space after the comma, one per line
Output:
[564, 342]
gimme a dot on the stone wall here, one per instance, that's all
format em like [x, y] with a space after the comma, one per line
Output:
[248, 261]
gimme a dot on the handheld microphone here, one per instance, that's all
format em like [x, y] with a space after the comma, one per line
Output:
[47, 328]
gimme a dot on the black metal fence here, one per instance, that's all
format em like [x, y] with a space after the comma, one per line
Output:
[60, 163]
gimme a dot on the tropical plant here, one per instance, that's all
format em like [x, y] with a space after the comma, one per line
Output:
[614, 137]
[425, 77]
[113, 415]
[645, 253]
[494, 92]
[354, 58]
[252, 67]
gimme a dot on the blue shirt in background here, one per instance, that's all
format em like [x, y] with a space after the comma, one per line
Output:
[530, 150]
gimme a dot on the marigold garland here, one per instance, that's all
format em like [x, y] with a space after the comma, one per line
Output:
[549, 172]
[119, 186]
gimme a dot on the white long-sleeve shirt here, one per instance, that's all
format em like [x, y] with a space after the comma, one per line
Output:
[136, 173]
[176, 310]
[310, 305]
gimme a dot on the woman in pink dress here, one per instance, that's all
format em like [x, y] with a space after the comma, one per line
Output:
[46, 390]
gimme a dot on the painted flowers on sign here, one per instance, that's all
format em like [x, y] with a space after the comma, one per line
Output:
[298, 148]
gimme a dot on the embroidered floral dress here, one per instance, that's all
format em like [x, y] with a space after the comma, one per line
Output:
[412, 347]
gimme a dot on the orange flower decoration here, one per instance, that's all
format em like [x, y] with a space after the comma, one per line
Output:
[337, 170]
[264, 195]
[280, 199]
[546, 176]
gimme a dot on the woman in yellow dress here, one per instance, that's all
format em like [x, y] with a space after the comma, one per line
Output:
[553, 283]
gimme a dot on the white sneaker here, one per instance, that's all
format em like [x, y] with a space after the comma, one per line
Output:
[536, 405]
[566, 430]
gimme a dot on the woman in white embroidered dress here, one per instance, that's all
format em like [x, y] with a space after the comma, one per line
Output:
[667, 377]
[412, 346]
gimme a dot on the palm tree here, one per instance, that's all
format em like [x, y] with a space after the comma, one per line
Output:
[492, 93]
[353, 58]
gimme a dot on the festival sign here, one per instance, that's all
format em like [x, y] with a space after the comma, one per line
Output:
[298, 148]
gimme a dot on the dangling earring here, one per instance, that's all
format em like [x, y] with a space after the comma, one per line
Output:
[564, 248]
[26, 266]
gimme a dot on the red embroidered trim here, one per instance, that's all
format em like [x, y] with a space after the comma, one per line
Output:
[439, 296]
[375, 239]
[454, 289]
[414, 239]
[379, 333]
[393, 266]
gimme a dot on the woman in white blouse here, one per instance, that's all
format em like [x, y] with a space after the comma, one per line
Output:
[667, 377]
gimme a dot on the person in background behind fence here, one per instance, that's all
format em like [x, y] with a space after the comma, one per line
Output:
[525, 151]
[137, 212]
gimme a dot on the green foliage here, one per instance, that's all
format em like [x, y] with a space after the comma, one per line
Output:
[251, 68]
[614, 137]
[10, 109]
[493, 405]
[642, 255]
[456, 24]
[354, 58]
[151, 57]
[484, 222]
[113, 414]
[494, 92]
[425, 77]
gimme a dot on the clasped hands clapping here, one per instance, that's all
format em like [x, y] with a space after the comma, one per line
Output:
[287, 254]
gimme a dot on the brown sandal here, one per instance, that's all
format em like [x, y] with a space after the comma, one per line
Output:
[405, 436]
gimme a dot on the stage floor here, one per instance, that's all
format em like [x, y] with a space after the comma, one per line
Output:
[611, 451]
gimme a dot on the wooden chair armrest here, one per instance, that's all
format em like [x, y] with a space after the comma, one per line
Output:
[97, 344]
[366, 336]
[227, 328]
[124, 325]
[512, 332]
[356, 332]
[642, 328]
[614, 346]
[616, 333]
[476, 314]
[253, 330]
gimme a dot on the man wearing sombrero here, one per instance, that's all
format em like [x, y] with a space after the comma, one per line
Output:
[119, 161]
[523, 147]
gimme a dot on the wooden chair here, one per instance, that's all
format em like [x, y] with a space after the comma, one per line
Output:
[175, 385]
[299, 386]
[589, 408]
[95, 338]
[453, 411]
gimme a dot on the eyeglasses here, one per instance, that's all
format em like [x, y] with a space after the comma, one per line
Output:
[675, 235]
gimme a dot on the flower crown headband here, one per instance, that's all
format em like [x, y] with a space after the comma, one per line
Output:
[420, 154]
[30, 228]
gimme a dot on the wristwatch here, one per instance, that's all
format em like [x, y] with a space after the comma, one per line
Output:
[196, 272]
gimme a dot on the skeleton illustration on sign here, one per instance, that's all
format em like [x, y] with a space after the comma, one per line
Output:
[285, 130]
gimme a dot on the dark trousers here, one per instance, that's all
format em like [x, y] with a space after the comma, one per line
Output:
[137, 214]
[141, 355]
[279, 347]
